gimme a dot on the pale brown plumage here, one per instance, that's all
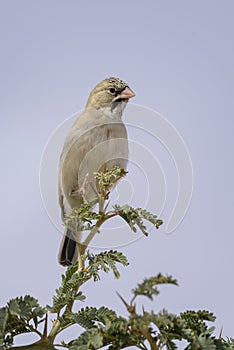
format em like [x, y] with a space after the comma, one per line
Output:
[96, 141]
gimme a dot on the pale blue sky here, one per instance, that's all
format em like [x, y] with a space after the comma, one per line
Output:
[178, 58]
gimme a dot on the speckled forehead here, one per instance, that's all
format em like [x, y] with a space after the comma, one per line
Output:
[116, 82]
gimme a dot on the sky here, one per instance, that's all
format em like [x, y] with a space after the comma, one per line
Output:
[178, 58]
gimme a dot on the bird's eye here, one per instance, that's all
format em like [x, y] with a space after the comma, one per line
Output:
[112, 90]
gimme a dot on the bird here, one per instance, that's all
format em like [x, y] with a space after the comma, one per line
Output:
[97, 141]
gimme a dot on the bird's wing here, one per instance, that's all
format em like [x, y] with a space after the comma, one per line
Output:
[85, 153]
[60, 198]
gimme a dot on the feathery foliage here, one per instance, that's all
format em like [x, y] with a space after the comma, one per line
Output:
[134, 217]
[67, 292]
[20, 315]
[149, 288]
[105, 261]
[102, 327]
[81, 219]
[107, 179]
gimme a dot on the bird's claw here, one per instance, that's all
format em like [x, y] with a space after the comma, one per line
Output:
[83, 189]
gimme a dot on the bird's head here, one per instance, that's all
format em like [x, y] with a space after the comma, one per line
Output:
[112, 93]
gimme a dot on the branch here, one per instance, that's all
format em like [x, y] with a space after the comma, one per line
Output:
[40, 345]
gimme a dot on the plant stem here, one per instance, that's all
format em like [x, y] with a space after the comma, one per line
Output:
[92, 233]
[32, 329]
[81, 247]
[80, 260]
[145, 332]
[54, 330]
[98, 224]
[40, 345]
[81, 250]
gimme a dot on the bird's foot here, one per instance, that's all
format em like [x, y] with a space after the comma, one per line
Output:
[77, 192]
[82, 191]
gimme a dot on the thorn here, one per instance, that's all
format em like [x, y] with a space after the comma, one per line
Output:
[131, 308]
[106, 206]
[121, 298]
[44, 335]
[220, 333]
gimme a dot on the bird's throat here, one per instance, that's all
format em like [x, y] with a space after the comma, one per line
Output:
[117, 108]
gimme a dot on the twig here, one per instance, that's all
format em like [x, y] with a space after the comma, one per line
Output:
[80, 260]
[145, 332]
[32, 329]
[54, 330]
[44, 335]
[92, 233]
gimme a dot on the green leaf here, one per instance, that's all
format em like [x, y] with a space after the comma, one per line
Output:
[195, 320]
[105, 261]
[224, 344]
[17, 317]
[81, 219]
[149, 285]
[205, 342]
[89, 340]
[87, 317]
[134, 217]
[3, 322]
[26, 308]
[62, 299]
[107, 179]
[103, 324]
[14, 308]
[67, 291]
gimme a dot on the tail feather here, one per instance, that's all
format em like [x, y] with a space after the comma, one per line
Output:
[68, 249]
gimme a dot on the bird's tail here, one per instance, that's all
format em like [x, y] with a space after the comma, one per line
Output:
[68, 253]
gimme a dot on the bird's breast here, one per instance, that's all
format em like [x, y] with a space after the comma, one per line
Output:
[97, 148]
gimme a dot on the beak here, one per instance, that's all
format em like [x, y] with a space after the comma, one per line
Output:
[126, 93]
